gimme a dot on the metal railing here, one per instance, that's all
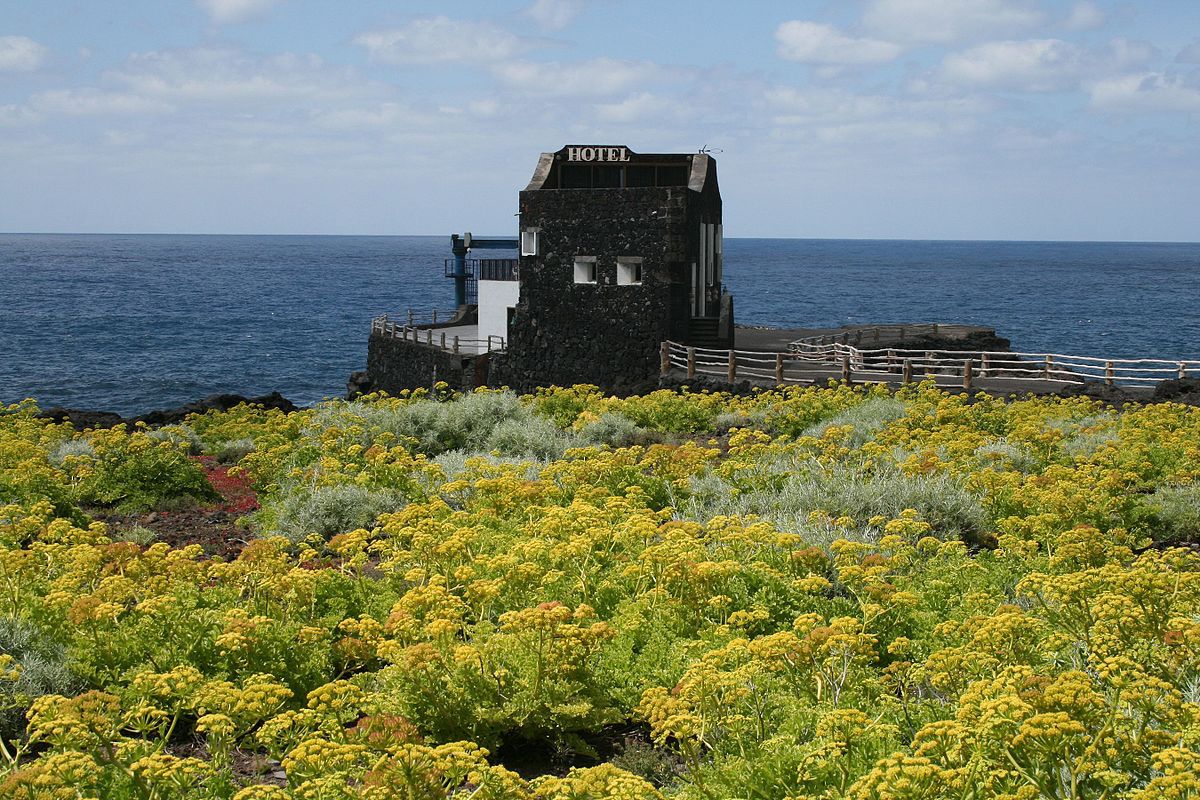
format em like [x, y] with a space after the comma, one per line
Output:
[418, 333]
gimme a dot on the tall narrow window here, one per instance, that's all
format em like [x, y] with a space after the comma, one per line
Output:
[629, 270]
[585, 269]
[529, 242]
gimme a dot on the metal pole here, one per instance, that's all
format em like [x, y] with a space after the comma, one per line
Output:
[460, 275]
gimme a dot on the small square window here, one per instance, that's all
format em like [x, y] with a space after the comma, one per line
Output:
[529, 242]
[629, 271]
[585, 269]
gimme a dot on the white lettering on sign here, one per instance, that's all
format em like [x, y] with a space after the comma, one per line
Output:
[597, 154]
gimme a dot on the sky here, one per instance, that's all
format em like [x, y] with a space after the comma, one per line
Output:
[910, 119]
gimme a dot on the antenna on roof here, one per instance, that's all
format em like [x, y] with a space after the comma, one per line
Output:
[706, 150]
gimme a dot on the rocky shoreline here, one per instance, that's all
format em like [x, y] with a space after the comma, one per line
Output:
[1184, 390]
[86, 418]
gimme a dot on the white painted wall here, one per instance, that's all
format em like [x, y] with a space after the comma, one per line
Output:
[495, 298]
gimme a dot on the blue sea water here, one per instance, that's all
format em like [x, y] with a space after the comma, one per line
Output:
[130, 323]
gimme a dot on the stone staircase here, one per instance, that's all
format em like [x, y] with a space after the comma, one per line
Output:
[702, 332]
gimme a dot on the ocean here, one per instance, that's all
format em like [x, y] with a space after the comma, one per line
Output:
[131, 323]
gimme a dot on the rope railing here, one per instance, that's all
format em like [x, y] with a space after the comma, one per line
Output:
[422, 334]
[883, 365]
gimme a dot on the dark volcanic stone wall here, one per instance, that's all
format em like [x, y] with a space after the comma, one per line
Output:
[605, 334]
[394, 365]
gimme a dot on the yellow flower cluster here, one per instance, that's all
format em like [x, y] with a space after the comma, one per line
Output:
[803, 593]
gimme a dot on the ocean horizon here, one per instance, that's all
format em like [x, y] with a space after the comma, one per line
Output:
[134, 322]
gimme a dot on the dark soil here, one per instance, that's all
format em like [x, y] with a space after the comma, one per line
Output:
[626, 746]
[248, 767]
[213, 526]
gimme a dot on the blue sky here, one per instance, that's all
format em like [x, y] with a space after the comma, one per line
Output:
[975, 119]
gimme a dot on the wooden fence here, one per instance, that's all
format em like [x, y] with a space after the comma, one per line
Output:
[419, 332]
[891, 365]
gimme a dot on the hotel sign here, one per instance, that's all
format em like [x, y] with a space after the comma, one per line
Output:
[588, 154]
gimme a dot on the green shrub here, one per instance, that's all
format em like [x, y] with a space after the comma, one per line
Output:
[180, 435]
[867, 419]
[71, 448]
[329, 510]
[43, 670]
[841, 491]
[137, 471]
[233, 451]
[613, 429]
[530, 436]
[143, 537]
[1176, 513]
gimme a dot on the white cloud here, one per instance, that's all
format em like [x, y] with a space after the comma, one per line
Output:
[817, 43]
[642, 107]
[1189, 54]
[1085, 15]
[595, 78]
[88, 102]
[1124, 53]
[1033, 65]
[225, 76]
[20, 54]
[432, 40]
[790, 105]
[554, 15]
[13, 115]
[226, 11]
[1145, 92]
[945, 21]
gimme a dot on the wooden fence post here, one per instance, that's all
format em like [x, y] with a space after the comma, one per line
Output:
[930, 367]
[1046, 369]
[779, 368]
[846, 369]
[732, 372]
[983, 368]
[968, 369]
[906, 375]
[691, 362]
[443, 343]
[1108, 373]
[455, 344]
[891, 360]
[664, 358]
[1182, 370]
[429, 336]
